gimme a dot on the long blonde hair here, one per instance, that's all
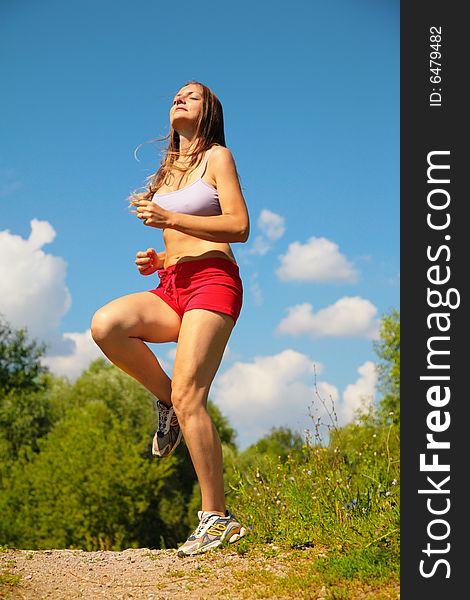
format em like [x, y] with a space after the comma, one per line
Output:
[209, 132]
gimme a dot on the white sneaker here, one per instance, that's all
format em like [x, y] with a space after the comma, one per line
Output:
[169, 433]
[212, 531]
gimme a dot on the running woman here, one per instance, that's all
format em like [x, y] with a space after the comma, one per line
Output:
[196, 200]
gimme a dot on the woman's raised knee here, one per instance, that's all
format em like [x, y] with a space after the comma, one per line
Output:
[104, 324]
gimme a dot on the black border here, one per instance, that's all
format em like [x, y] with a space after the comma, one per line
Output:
[423, 129]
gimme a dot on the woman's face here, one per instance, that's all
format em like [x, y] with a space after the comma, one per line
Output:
[186, 108]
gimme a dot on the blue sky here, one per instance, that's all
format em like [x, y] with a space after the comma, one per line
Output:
[310, 91]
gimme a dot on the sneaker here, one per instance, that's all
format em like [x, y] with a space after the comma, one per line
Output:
[169, 432]
[212, 531]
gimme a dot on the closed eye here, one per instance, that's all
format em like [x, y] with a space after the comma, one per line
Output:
[189, 98]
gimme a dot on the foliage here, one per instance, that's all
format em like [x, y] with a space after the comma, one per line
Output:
[25, 416]
[279, 443]
[77, 471]
[226, 433]
[388, 350]
[8, 581]
[91, 486]
[275, 446]
[80, 471]
[20, 361]
[24, 408]
[343, 496]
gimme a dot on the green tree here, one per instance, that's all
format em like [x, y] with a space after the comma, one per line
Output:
[277, 444]
[226, 433]
[25, 417]
[129, 401]
[91, 486]
[25, 413]
[20, 360]
[387, 349]
[126, 399]
[89, 479]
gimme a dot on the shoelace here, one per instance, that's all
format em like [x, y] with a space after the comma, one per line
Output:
[163, 414]
[203, 523]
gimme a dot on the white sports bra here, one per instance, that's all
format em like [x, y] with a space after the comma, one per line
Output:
[197, 198]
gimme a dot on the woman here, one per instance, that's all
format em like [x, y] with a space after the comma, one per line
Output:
[196, 200]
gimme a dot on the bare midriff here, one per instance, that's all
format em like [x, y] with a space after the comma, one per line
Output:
[181, 247]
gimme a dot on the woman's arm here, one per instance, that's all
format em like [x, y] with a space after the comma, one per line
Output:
[231, 226]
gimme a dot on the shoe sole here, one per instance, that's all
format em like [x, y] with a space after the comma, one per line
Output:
[175, 445]
[236, 536]
[215, 544]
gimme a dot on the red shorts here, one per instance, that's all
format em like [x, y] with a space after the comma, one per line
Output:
[209, 283]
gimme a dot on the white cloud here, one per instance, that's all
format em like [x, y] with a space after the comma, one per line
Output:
[34, 295]
[282, 390]
[33, 292]
[272, 228]
[71, 365]
[348, 317]
[360, 395]
[271, 224]
[317, 260]
[270, 391]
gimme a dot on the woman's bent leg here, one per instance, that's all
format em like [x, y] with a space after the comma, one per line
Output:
[121, 329]
[201, 344]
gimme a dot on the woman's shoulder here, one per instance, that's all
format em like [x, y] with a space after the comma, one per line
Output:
[221, 156]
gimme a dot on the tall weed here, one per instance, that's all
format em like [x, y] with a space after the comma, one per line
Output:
[342, 496]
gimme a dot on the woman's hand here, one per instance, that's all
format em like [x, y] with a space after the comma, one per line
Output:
[152, 214]
[149, 261]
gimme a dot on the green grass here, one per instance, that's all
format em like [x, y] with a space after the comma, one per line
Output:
[306, 574]
[8, 582]
[9, 579]
[343, 499]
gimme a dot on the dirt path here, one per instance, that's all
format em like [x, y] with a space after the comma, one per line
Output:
[143, 574]
[138, 574]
